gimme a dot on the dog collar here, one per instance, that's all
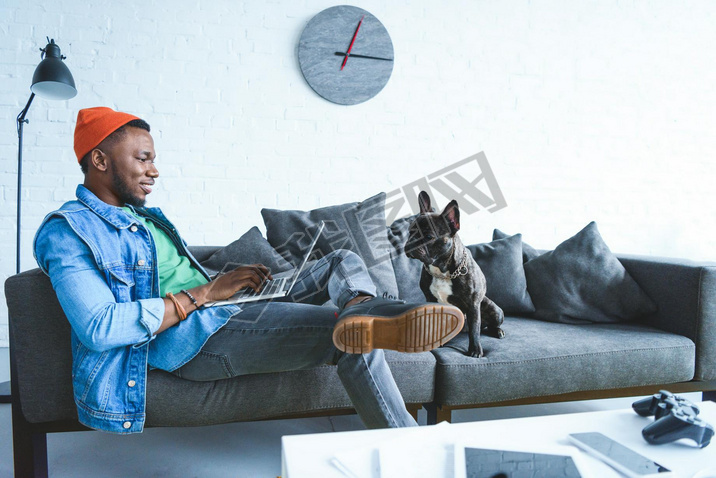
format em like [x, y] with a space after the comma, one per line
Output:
[460, 271]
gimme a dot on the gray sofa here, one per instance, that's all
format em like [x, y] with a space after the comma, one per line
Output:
[538, 361]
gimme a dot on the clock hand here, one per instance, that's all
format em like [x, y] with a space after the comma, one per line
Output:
[353, 40]
[338, 53]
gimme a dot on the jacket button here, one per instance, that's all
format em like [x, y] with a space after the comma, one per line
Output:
[131, 383]
[133, 228]
[140, 262]
[127, 425]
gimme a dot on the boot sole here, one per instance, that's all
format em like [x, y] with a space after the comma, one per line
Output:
[417, 330]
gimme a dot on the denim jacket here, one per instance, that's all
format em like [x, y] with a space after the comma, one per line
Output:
[102, 264]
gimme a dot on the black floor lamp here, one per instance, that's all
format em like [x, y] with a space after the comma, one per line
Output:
[52, 80]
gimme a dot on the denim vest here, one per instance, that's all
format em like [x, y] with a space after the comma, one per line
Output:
[102, 265]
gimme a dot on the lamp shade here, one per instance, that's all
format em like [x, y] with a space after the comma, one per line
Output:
[52, 78]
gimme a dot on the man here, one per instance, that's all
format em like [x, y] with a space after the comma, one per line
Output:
[134, 297]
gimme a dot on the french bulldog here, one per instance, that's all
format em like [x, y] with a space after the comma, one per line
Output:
[450, 275]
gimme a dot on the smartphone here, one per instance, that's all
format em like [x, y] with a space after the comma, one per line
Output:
[618, 456]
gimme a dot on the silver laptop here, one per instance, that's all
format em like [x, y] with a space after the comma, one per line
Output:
[276, 287]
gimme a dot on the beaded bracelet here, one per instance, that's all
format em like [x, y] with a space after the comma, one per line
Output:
[191, 298]
[180, 310]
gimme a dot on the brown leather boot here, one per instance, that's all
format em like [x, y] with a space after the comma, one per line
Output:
[389, 324]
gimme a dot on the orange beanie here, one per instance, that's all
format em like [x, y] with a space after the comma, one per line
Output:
[94, 125]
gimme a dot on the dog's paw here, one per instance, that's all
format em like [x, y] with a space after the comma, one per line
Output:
[475, 352]
[496, 332]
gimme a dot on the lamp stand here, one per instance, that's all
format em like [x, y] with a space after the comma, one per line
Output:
[5, 387]
[21, 121]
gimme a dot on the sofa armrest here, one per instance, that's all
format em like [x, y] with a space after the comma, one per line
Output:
[685, 293]
[41, 345]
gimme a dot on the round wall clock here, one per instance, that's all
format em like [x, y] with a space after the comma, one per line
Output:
[345, 55]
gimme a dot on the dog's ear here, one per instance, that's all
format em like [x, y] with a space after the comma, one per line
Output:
[451, 214]
[424, 202]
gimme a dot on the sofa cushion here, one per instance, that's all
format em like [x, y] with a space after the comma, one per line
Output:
[172, 401]
[582, 281]
[539, 358]
[407, 270]
[528, 252]
[358, 227]
[202, 253]
[250, 248]
[501, 263]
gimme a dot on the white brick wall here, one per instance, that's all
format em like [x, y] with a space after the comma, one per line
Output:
[594, 110]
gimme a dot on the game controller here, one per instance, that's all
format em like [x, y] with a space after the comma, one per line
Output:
[675, 418]
[678, 424]
[660, 404]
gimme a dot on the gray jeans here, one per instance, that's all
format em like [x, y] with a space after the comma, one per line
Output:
[296, 333]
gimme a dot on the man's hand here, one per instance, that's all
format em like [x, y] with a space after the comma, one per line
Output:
[223, 287]
[226, 285]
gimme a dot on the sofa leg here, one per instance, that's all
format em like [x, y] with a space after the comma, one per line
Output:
[29, 447]
[444, 414]
[431, 410]
[29, 452]
[413, 410]
[709, 395]
[437, 414]
[30, 456]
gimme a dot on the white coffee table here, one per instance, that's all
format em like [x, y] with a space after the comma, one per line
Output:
[313, 455]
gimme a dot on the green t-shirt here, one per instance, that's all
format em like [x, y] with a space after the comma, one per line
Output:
[175, 271]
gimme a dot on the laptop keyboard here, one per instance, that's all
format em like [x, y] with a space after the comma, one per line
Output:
[271, 287]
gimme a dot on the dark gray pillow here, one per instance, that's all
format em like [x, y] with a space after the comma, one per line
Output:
[251, 248]
[501, 262]
[358, 227]
[407, 270]
[528, 252]
[582, 281]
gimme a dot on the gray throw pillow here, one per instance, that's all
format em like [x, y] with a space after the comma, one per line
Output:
[501, 262]
[407, 270]
[582, 281]
[251, 248]
[528, 252]
[358, 227]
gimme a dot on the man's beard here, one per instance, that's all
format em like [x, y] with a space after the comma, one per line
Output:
[124, 192]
